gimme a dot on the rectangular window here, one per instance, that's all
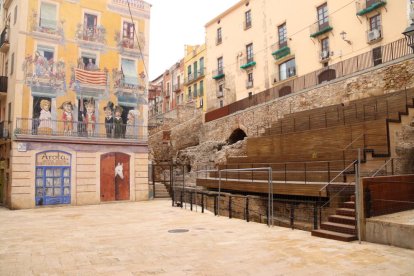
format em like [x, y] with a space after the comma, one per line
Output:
[195, 65]
[324, 48]
[201, 88]
[15, 15]
[90, 61]
[282, 35]
[12, 64]
[375, 22]
[249, 80]
[287, 69]
[248, 19]
[219, 37]
[195, 90]
[129, 70]
[90, 26]
[48, 14]
[249, 52]
[189, 70]
[220, 65]
[323, 20]
[377, 56]
[189, 93]
[9, 118]
[201, 66]
[128, 35]
[46, 52]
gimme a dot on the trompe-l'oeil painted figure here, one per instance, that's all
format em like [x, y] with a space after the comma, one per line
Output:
[45, 118]
[90, 118]
[109, 119]
[67, 117]
[130, 125]
[118, 122]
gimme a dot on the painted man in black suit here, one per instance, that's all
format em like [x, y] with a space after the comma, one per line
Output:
[109, 119]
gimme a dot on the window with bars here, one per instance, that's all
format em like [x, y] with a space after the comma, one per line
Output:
[375, 22]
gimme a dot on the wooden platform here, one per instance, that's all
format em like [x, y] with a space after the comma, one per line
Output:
[261, 186]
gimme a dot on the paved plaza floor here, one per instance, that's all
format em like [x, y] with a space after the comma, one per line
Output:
[134, 239]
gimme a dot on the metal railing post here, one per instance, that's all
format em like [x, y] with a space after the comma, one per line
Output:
[357, 196]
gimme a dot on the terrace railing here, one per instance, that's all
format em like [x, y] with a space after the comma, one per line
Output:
[78, 129]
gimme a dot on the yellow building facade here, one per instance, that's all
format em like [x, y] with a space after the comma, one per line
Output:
[76, 102]
[194, 74]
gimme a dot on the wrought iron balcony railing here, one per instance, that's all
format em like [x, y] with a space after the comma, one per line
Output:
[55, 129]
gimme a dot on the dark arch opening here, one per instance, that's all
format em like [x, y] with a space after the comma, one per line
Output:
[285, 90]
[327, 75]
[236, 136]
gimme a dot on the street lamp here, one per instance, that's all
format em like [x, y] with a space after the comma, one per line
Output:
[409, 35]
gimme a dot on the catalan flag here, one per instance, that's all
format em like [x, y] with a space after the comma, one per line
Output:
[90, 77]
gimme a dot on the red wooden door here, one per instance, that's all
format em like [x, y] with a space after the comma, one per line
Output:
[122, 185]
[114, 187]
[107, 177]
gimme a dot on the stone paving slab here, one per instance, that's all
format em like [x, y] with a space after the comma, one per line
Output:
[133, 239]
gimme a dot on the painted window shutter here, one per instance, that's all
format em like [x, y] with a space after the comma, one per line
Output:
[48, 15]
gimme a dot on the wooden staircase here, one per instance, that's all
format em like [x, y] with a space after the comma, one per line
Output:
[341, 226]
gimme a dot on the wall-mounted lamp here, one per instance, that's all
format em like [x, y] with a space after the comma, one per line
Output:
[409, 32]
[343, 36]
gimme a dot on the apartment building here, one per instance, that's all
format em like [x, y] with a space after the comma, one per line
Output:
[259, 44]
[194, 83]
[76, 101]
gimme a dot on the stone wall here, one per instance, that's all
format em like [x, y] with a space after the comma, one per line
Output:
[189, 130]
[375, 81]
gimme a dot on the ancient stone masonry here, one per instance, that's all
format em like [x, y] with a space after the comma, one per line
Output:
[377, 81]
[194, 142]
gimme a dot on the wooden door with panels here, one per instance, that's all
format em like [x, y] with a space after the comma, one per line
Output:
[115, 176]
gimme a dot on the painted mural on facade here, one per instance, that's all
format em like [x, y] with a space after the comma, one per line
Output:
[82, 82]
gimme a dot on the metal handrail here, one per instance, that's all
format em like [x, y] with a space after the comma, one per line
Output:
[330, 182]
[350, 144]
[384, 165]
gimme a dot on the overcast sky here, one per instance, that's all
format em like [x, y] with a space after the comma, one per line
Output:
[177, 23]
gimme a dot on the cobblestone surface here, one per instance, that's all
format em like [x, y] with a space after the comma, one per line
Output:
[133, 239]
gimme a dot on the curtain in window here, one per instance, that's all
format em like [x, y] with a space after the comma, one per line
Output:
[48, 16]
[282, 71]
[129, 71]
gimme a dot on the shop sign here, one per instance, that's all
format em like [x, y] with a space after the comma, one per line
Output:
[53, 158]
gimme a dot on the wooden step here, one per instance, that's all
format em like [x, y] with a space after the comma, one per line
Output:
[346, 212]
[348, 204]
[333, 235]
[342, 219]
[339, 227]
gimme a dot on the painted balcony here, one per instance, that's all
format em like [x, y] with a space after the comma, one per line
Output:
[366, 6]
[4, 40]
[90, 83]
[93, 38]
[46, 78]
[321, 27]
[130, 46]
[78, 131]
[50, 30]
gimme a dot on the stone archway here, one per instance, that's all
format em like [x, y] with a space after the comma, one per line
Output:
[237, 135]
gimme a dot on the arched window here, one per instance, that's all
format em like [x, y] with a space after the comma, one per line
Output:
[327, 75]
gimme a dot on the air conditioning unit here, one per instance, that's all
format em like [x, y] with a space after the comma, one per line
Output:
[219, 93]
[249, 84]
[324, 54]
[373, 35]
